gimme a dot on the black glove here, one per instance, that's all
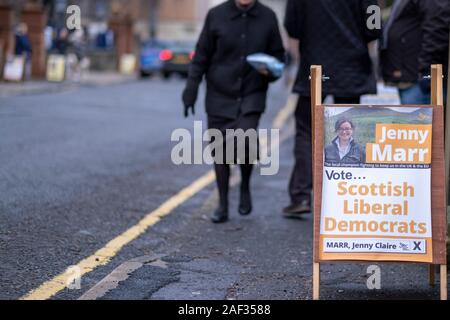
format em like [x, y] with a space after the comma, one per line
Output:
[189, 97]
[186, 110]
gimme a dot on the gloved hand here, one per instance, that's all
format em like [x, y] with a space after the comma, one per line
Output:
[189, 97]
[186, 110]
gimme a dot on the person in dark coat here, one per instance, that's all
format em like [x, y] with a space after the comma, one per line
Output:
[62, 44]
[23, 44]
[23, 47]
[235, 92]
[415, 36]
[334, 34]
[344, 149]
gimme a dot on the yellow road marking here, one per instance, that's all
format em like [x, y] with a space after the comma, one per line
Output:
[285, 112]
[105, 254]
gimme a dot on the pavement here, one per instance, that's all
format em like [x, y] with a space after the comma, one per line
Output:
[82, 167]
[88, 79]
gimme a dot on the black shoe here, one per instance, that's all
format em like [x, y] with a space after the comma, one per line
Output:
[245, 204]
[296, 209]
[220, 215]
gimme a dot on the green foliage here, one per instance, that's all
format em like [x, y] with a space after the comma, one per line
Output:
[365, 119]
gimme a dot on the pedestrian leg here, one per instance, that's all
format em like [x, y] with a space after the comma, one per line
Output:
[223, 178]
[300, 183]
[245, 202]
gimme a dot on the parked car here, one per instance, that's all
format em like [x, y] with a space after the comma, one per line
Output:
[176, 58]
[150, 62]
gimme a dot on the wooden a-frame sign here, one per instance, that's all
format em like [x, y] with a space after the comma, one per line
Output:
[438, 183]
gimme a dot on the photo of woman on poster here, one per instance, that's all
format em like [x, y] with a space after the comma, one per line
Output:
[344, 149]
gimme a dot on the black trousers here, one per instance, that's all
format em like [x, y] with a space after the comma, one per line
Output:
[300, 184]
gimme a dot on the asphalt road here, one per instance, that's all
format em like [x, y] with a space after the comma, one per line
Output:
[82, 166]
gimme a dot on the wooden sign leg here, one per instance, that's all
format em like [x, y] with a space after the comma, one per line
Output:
[443, 282]
[437, 98]
[431, 274]
[316, 100]
[316, 281]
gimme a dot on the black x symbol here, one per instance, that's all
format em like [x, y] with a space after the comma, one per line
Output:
[417, 245]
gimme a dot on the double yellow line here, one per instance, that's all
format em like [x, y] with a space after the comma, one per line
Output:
[110, 250]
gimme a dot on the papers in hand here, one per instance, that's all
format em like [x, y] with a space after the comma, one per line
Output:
[262, 61]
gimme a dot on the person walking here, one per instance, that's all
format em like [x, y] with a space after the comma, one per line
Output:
[235, 92]
[334, 34]
[415, 36]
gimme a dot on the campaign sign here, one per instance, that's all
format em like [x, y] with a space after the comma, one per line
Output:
[376, 192]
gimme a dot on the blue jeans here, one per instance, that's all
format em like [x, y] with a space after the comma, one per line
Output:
[414, 95]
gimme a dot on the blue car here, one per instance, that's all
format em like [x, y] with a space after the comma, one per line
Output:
[150, 61]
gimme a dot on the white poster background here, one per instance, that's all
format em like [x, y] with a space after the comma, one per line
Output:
[416, 246]
[419, 205]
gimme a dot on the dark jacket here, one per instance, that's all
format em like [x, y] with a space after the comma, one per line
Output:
[417, 37]
[23, 45]
[61, 46]
[228, 37]
[334, 34]
[356, 154]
